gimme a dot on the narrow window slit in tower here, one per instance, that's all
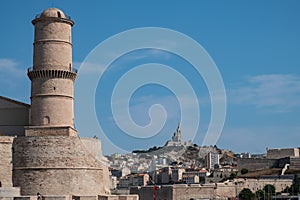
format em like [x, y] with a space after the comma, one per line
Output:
[46, 120]
[58, 14]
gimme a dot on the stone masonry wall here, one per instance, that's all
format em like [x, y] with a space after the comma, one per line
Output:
[6, 161]
[253, 164]
[56, 165]
[182, 192]
[52, 98]
[52, 45]
[50, 131]
[281, 153]
[258, 184]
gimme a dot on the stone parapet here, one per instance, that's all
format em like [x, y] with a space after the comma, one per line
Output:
[119, 197]
[52, 74]
[9, 192]
[50, 131]
[26, 198]
[6, 198]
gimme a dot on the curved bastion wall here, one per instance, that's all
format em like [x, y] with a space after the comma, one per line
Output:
[58, 165]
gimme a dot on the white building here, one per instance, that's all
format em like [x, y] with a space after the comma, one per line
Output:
[212, 160]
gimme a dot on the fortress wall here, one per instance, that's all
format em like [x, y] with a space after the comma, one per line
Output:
[253, 164]
[6, 161]
[59, 181]
[56, 165]
[258, 184]
[182, 192]
[9, 192]
[118, 197]
[281, 153]
[146, 193]
[295, 163]
[93, 146]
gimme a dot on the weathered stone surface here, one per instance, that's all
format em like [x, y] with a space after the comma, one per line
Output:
[6, 161]
[282, 153]
[55, 197]
[85, 197]
[253, 164]
[52, 77]
[6, 198]
[26, 198]
[119, 197]
[182, 192]
[57, 165]
[50, 131]
[9, 192]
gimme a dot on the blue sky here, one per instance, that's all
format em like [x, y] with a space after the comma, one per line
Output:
[254, 44]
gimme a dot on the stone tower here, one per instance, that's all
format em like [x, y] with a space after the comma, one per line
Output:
[177, 135]
[52, 77]
[51, 159]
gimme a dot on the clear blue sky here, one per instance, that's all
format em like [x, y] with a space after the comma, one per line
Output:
[255, 45]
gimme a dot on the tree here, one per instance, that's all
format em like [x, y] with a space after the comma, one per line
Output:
[287, 190]
[232, 175]
[244, 171]
[246, 194]
[295, 187]
[269, 189]
[260, 194]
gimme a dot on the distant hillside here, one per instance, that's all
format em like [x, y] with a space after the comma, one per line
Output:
[186, 154]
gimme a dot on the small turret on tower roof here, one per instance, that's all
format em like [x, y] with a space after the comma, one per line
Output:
[53, 12]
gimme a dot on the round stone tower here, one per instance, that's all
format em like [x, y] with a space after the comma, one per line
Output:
[47, 160]
[52, 76]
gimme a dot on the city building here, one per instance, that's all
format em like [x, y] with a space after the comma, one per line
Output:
[176, 175]
[133, 180]
[190, 178]
[212, 160]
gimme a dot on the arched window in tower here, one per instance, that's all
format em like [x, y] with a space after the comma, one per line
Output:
[58, 14]
[46, 120]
